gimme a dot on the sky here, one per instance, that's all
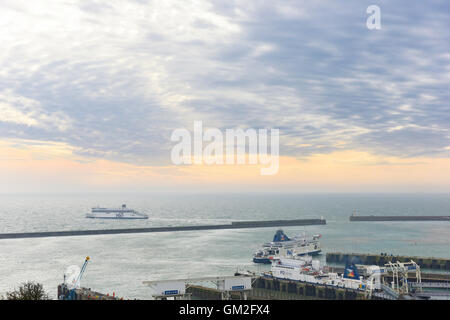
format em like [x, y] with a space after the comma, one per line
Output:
[90, 92]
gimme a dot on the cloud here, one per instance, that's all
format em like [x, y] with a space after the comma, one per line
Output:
[23, 111]
[113, 79]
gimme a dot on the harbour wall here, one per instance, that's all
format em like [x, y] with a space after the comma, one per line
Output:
[233, 225]
[399, 218]
[381, 260]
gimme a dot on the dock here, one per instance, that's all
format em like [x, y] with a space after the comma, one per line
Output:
[382, 259]
[276, 289]
[248, 285]
[399, 218]
[263, 288]
[427, 277]
[85, 294]
[232, 225]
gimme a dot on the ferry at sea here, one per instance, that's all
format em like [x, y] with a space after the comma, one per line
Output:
[115, 213]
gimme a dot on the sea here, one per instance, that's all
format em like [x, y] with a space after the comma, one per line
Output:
[120, 263]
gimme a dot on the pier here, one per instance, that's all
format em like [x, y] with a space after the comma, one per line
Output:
[85, 294]
[428, 278]
[276, 289]
[232, 225]
[255, 286]
[382, 259]
[271, 289]
[262, 289]
[399, 218]
[245, 287]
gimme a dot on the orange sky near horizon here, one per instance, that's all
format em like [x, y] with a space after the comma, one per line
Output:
[37, 166]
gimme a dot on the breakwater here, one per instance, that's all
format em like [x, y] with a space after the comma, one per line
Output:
[233, 225]
[399, 218]
[382, 259]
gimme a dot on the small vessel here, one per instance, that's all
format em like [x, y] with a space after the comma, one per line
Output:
[282, 245]
[115, 213]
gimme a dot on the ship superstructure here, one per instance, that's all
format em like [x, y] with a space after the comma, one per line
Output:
[282, 245]
[115, 213]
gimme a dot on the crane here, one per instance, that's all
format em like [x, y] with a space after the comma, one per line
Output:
[71, 294]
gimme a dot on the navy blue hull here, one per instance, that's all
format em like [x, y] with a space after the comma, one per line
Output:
[262, 260]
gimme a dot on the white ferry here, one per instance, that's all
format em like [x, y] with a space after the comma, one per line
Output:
[307, 270]
[118, 213]
[282, 245]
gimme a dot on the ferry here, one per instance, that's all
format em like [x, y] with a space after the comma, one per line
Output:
[283, 245]
[309, 270]
[115, 213]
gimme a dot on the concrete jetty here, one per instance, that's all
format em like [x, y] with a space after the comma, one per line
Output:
[233, 225]
[264, 288]
[277, 289]
[84, 294]
[427, 277]
[382, 259]
[399, 218]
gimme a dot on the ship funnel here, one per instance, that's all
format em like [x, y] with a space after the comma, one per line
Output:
[280, 236]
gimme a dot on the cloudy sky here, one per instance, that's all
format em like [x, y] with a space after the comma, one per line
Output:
[90, 92]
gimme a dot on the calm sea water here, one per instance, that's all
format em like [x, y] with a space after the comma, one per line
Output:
[119, 263]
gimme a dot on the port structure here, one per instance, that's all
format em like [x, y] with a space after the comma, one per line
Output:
[388, 282]
[382, 259]
[176, 289]
[70, 294]
[400, 272]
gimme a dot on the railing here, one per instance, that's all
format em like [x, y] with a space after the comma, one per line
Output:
[430, 285]
[391, 292]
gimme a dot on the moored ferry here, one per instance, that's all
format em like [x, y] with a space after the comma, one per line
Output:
[308, 270]
[282, 245]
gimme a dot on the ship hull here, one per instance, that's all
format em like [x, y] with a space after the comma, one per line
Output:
[114, 217]
[268, 260]
[357, 285]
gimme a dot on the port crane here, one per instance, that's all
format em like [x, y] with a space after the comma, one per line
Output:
[71, 294]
